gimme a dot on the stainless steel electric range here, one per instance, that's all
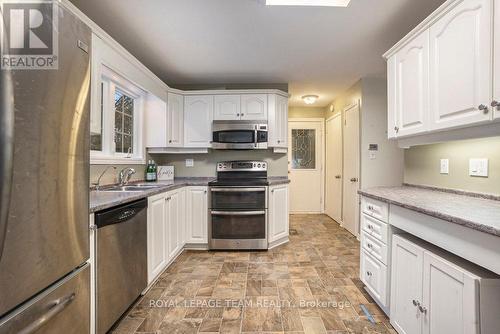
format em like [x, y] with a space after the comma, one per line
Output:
[238, 206]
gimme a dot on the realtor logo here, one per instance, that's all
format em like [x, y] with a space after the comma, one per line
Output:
[29, 35]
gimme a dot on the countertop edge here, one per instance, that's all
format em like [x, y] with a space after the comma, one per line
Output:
[449, 218]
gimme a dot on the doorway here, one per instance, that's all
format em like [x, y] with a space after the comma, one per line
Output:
[333, 168]
[305, 165]
[350, 203]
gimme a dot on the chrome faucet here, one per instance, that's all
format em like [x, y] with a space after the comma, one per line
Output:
[125, 175]
[97, 184]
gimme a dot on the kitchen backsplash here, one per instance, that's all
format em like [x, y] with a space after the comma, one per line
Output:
[422, 165]
[205, 164]
[111, 176]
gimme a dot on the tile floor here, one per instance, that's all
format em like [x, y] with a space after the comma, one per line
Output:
[309, 285]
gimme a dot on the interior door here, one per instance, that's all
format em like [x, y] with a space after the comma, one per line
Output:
[461, 65]
[449, 298]
[350, 203]
[333, 168]
[412, 87]
[406, 286]
[305, 166]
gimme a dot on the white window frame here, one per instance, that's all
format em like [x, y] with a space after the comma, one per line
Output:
[112, 80]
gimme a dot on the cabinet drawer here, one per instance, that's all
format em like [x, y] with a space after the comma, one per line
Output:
[376, 248]
[374, 227]
[376, 209]
[374, 275]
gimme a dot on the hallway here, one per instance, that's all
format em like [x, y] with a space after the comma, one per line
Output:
[310, 285]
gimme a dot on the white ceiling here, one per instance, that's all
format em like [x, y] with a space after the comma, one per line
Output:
[316, 50]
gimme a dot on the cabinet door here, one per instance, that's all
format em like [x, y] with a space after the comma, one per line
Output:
[374, 274]
[278, 212]
[412, 87]
[155, 121]
[196, 215]
[254, 107]
[282, 109]
[406, 286]
[391, 98]
[198, 113]
[450, 300]
[496, 55]
[461, 65]
[157, 233]
[175, 120]
[227, 107]
[173, 223]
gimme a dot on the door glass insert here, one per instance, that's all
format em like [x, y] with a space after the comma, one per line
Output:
[303, 149]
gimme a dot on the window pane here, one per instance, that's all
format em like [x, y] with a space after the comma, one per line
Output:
[118, 122]
[118, 143]
[127, 144]
[303, 148]
[127, 124]
[128, 105]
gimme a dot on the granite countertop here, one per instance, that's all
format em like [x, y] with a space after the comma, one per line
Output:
[476, 211]
[100, 200]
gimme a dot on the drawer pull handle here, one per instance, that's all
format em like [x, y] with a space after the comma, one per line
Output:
[415, 302]
[369, 245]
[370, 227]
[368, 273]
[370, 207]
[422, 309]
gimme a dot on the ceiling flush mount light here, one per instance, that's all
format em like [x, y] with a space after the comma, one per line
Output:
[318, 3]
[310, 99]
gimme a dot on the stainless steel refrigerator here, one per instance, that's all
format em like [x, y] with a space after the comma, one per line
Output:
[44, 201]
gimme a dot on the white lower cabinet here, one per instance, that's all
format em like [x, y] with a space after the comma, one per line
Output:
[374, 275]
[157, 235]
[435, 292]
[166, 219]
[196, 215]
[278, 213]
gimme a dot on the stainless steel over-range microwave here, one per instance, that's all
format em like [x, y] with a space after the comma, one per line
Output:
[239, 135]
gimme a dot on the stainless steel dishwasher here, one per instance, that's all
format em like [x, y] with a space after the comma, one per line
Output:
[121, 260]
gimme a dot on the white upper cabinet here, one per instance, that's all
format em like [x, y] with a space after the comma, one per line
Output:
[278, 121]
[461, 65]
[198, 114]
[412, 87]
[254, 107]
[155, 122]
[496, 55]
[227, 107]
[175, 120]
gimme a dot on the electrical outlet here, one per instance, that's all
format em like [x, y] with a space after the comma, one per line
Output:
[478, 167]
[445, 166]
[189, 162]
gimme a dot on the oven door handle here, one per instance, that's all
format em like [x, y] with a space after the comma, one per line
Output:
[238, 213]
[237, 190]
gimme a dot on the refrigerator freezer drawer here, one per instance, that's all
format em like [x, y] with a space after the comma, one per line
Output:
[63, 308]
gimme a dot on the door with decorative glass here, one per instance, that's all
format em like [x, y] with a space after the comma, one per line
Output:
[305, 164]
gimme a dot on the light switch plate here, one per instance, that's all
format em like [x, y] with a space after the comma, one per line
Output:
[445, 166]
[189, 162]
[478, 167]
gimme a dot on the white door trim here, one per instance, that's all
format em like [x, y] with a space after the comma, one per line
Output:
[321, 122]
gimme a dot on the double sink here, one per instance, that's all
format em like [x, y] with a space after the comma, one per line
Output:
[131, 187]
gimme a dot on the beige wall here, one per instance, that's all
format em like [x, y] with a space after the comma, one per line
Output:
[347, 98]
[204, 164]
[422, 165]
[306, 112]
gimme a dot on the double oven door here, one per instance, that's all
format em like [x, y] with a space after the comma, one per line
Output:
[238, 218]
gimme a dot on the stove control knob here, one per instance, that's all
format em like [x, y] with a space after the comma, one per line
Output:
[263, 165]
[258, 165]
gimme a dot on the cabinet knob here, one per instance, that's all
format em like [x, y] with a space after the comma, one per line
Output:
[338, 176]
[242, 114]
[369, 245]
[495, 104]
[368, 273]
[279, 141]
[415, 302]
[396, 129]
[238, 115]
[170, 141]
[354, 179]
[483, 108]
[422, 309]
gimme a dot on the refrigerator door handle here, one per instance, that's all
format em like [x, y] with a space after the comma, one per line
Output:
[55, 308]
[7, 152]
